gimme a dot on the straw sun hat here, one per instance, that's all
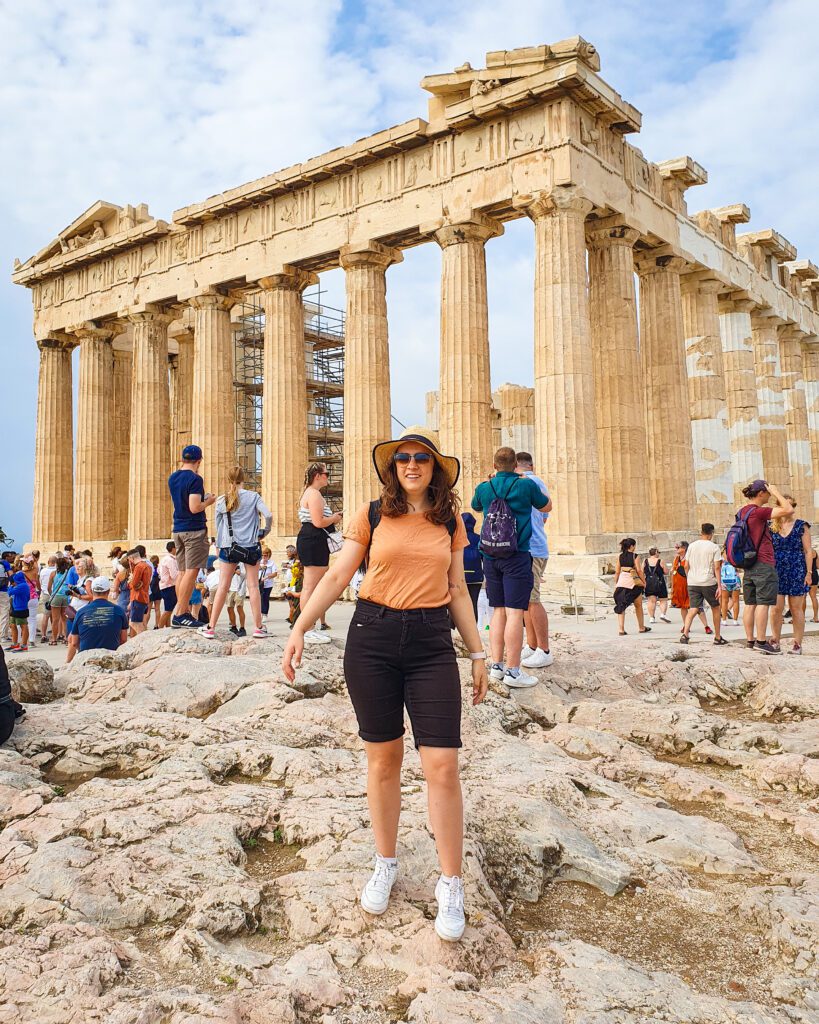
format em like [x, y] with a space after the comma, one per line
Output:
[383, 453]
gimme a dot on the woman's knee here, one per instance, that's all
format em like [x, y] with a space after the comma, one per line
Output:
[441, 766]
[384, 760]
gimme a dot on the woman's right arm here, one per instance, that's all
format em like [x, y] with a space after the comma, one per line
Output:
[783, 507]
[315, 506]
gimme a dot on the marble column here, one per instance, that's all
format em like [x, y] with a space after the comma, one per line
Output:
[284, 404]
[465, 393]
[149, 506]
[810, 374]
[515, 408]
[710, 435]
[565, 415]
[366, 367]
[53, 519]
[213, 404]
[740, 391]
[94, 468]
[182, 405]
[672, 492]
[121, 439]
[796, 420]
[773, 434]
[618, 390]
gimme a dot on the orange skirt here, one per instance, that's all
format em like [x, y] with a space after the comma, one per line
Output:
[679, 591]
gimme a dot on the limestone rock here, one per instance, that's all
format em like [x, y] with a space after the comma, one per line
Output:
[33, 681]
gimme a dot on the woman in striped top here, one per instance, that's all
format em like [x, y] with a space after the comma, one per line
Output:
[317, 519]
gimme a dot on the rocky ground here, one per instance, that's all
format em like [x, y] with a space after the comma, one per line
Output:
[184, 839]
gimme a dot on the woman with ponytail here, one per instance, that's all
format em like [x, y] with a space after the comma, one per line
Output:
[317, 521]
[237, 538]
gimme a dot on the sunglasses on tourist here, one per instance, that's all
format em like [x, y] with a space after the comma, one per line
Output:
[421, 458]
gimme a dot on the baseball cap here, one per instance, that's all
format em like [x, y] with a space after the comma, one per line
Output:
[191, 453]
[100, 585]
[759, 486]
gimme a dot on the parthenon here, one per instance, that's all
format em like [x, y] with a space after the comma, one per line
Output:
[675, 359]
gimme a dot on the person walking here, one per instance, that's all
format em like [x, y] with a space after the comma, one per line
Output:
[813, 565]
[703, 563]
[168, 575]
[473, 563]
[318, 521]
[139, 589]
[760, 582]
[267, 579]
[190, 533]
[509, 580]
[58, 597]
[730, 584]
[679, 586]
[629, 584]
[238, 536]
[100, 625]
[656, 592]
[399, 653]
[792, 551]
[535, 619]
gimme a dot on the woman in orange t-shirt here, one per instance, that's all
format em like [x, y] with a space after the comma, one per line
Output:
[399, 653]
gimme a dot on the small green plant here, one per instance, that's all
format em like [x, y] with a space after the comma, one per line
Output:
[226, 979]
[278, 835]
[250, 843]
[59, 790]
[261, 930]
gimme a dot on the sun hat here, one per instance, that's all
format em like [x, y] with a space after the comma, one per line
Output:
[100, 585]
[383, 453]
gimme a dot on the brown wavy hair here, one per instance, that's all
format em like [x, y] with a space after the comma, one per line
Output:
[444, 500]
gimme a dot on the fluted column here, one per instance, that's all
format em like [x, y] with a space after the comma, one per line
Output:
[284, 405]
[149, 508]
[796, 419]
[121, 439]
[366, 367]
[53, 519]
[773, 434]
[668, 417]
[182, 399]
[740, 391]
[618, 393]
[515, 406]
[706, 395]
[465, 394]
[213, 407]
[94, 474]
[810, 374]
[565, 415]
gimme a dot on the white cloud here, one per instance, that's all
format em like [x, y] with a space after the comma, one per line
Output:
[171, 102]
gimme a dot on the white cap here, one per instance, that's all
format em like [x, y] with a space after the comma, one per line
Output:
[100, 585]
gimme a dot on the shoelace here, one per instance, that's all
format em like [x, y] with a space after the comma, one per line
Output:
[381, 878]
[454, 896]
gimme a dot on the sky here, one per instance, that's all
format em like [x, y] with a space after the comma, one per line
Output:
[171, 101]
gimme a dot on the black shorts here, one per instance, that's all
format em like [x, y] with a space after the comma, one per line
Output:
[168, 597]
[312, 546]
[398, 659]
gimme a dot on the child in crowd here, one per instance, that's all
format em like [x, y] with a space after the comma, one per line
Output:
[19, 595]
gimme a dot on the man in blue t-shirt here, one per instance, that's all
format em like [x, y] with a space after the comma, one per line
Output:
[190, 533]
[5, 577]
[98, 625]
[536, 653]
[509, 580]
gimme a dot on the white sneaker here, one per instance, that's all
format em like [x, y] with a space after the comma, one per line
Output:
[652, 620]
[450, 922]
[312, 637]
[375, 895]
[260, 634]
[527, 651]
[206, 632]
[664, 618]
[522, 681]
[497, 671]
[538, 659]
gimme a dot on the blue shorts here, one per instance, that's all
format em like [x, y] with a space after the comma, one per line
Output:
[196, 596]
[731, 587]
[509, 581]
[138, 609]
[168, 595]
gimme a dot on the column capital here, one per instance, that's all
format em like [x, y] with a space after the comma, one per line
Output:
[103, 332]
[764, 316]
[149, 313]
[791, 332]
[702, 282]
[368, 254]
[475, 228]
[563, 198]
[57, 340]
[611, 231]
[289, 278]
[736, 302]
[212, 299]
[662, 259]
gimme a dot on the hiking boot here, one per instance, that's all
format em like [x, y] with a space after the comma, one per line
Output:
[497, 671]
[375, 896]
[768, 648]
[538, 659]
[450, 922]
[521, 681]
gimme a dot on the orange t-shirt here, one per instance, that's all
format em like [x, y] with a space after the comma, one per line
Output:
[409, 559]
[141, 582]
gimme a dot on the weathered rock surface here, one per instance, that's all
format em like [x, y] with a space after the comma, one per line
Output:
[185, 837]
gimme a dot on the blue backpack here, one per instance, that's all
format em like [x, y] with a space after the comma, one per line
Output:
[740, 550]
[499, 533]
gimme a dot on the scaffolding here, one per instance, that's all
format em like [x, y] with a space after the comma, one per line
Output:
[324, 359]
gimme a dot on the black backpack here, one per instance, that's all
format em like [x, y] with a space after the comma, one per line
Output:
[374, 518]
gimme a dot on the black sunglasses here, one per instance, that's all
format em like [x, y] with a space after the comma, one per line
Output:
[421, 458]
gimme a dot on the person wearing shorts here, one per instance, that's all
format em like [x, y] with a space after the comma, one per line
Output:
[703, 566]
[312, 544]
[510, 580]
[399, 654]
[536, 652]
[190, 533]
[139, 586]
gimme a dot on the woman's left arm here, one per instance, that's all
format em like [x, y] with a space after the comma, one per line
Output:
[460, 609]
[807, 550]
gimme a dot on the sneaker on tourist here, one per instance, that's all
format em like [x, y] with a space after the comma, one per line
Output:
[450, 922]
[497, 670]
[312, 636]
[206, 632]
[517, 680]
[538, 659]
[325, 625]
[234, 630]
[664, 618]
[750, 644]
[185, 621]
[768, 647]
[21, 649]
[796, 649]
[652, 620]
[375, 895]
[527, 651]
[13, 649]
[708, 630]
[260, 634]
[242, 631]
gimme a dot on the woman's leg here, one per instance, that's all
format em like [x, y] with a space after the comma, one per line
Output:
[446, 809]
[777, 613]
[651, 601]
[724, 598]
[226, 571]
[55, 625]
[621, 622]
[663, 602]
[814, 600]
[312, 575]
[638, 611]
[735, 603]
[384, 792]
[253, 594]
[797, 607]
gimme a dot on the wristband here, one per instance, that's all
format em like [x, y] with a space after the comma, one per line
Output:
[478, 656]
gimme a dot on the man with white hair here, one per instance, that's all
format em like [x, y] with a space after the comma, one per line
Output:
[98, 625]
